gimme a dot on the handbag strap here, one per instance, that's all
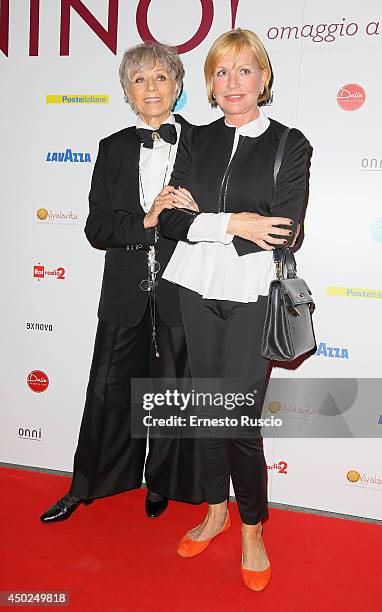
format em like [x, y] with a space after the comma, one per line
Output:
[283, 256]
[280, 155]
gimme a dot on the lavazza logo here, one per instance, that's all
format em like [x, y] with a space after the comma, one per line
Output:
[45, 216]
[40, 272]
[68, 156]
[324, 350]
[26, 433]
[40, 327]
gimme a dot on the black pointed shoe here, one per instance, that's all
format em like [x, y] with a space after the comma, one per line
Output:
[155, 504]
[63, 509]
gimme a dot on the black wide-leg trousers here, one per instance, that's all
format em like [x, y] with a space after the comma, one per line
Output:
[224, 339]
[108, 460]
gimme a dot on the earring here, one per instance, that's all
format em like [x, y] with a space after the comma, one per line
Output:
[213, 95]
[262, 91]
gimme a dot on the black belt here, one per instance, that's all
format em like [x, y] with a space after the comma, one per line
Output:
[135, 247]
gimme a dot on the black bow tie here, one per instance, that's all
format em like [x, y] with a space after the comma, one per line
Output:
[167, 132]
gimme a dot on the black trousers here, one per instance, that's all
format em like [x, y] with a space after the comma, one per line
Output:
[223, 339]
[108, 460]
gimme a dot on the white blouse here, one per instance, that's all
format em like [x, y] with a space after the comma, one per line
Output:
[211, 266]
[156, 164]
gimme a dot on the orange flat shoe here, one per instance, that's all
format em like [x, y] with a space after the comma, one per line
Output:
[256, 581]
[191, 548]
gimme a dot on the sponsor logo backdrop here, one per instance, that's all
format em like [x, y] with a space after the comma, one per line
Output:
[61, 94]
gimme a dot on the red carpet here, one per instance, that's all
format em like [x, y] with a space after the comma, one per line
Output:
[111, 558]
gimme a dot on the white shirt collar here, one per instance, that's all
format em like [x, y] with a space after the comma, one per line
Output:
[253, 128]
[141, 124]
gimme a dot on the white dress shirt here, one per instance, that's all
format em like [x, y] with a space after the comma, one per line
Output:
[156, 164]
[211, 266]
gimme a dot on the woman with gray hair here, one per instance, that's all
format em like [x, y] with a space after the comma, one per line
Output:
[140, 332]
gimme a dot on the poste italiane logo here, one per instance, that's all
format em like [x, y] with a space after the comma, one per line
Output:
[77, 99]
[354, 292]
[351, 97]
[37, 381]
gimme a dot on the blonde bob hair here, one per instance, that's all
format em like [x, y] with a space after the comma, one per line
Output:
[237, 39]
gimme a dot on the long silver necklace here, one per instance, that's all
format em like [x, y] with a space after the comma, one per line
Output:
[153, 266]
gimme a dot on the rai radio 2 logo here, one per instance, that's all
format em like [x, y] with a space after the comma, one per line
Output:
[281, 467]
[40, 271]
[37, 381]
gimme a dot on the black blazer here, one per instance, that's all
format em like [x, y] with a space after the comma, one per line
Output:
[116, 220]
[243, 185]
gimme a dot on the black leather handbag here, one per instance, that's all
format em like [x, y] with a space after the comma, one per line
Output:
[288, 328]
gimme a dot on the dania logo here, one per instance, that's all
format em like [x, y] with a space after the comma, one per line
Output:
[67, 156]
[323, 350]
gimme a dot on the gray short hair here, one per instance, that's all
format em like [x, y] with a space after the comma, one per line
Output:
[146, 55]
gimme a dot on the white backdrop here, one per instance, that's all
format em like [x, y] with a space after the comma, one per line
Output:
[49, 315]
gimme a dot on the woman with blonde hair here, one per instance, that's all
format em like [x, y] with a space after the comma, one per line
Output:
[223, 264]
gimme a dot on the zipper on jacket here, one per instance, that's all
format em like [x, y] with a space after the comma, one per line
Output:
[227, 175]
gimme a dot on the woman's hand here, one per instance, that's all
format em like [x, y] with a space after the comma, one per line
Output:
[169, 197]
[256, 228]
[183, 199]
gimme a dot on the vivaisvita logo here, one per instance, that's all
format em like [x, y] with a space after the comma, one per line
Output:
[30, 434]
[68, 156]
[281, 467]
[354, 292]
[77, 99]
[45, 216]
[299, 411]
[364, 480]
[324, 350]
[40, 272]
